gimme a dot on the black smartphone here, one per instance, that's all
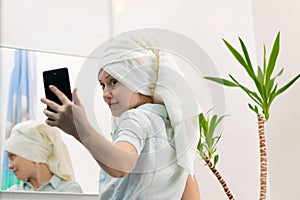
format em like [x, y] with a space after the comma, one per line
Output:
[60, 79]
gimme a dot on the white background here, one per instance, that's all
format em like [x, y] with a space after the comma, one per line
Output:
[77, 27]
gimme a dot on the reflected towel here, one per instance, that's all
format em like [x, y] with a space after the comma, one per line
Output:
[41, 143]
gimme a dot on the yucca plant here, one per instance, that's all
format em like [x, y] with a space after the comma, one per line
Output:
[266, 91]
[207, 147]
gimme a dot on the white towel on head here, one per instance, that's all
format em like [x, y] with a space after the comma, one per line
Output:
[140, 62]
[41, 143]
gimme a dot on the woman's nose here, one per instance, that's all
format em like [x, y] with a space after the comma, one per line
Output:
[10, 165]
[107, 93]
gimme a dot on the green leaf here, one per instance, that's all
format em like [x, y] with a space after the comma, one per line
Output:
[240, 58]
[263, 94]
[265, 65]
[246, 64]
[220, 119]
[249, 65]
[236, 54]
[209, 154]
[279, 73]
[206, 147]
[200, 148]
[255, 109]
[269, 87]
[266, 111]
[260, 75]
[250, 93]
[212, 126]
[286, 86]
[202, 155]
[273, 57]
[203, 122]
[214, 151]
[216, 159]
[272, 95]
[215, 141]
[221, 81]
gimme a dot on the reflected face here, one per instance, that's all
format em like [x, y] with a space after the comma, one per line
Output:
[118, 97]
[21, 167]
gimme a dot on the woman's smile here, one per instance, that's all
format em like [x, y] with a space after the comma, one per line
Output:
[112, 104]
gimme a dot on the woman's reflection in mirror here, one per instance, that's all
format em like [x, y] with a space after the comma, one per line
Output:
[39, 157]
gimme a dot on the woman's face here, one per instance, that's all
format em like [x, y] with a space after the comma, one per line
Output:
[21, 167]
[118, 97]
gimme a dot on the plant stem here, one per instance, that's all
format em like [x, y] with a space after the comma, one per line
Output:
[219, 177]
[263, 157]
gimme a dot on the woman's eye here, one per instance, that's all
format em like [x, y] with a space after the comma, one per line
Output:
[102, 86]
[12, 156]
[114, 82]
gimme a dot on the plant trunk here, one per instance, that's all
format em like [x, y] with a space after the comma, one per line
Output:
[263, 157]
[219, 177]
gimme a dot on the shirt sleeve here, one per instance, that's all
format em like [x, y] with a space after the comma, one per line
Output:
[130, 129]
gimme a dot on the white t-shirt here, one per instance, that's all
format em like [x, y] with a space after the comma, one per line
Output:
[156, 174]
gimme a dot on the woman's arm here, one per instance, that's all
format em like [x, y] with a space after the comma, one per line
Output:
[116, 159]
[191, 190]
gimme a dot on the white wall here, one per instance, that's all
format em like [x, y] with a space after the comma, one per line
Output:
[62, 26]
[69, 27]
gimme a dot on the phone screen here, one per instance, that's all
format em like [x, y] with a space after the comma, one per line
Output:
[60, 79]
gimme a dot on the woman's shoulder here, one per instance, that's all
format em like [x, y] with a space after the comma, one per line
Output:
[63, 185]
[147, 116]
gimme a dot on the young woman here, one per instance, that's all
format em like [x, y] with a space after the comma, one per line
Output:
[38, 156]
[156, 131]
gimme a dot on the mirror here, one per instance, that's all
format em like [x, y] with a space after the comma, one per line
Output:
[85, 168]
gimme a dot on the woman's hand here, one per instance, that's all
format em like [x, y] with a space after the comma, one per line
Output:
[69, 116]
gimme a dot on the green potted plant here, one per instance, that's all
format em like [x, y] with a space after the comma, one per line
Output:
[207, 147]
[266, 91]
